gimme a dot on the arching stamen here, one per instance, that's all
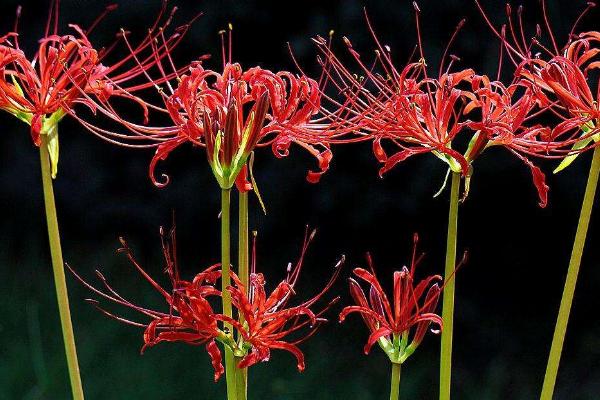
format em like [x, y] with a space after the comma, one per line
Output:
[107, 10]
[495, 31]
[452, 38]
[590, 5]
[511, 27]
[223, 51]
[230, 26]
[500, 56]
[521, 26]
[548, 28]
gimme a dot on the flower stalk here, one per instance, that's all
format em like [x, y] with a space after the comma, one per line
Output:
[395, 381]
[571, 280]
[448, 297]
[230, 369]
[59, 272]
[244, 271]
[244, 274]
[240, 380]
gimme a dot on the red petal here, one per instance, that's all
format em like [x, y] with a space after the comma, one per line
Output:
[36, 127]
[539, 179]
[215, 357]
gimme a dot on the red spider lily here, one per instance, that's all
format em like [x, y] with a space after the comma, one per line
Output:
[503, 115]
[565, 81]
[213, 111]
[42, 90]
[406, 109]
[402, 106]
[266, 320]
[411, 309]
[559, 78]
[231, 113]
[190, 318]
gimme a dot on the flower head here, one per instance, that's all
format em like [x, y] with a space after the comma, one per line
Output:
[405, 111]
[66, 69]
[232, 111]
[190, 317]
[398, 324]
[502, 118]
[558, 78]
[267, 322]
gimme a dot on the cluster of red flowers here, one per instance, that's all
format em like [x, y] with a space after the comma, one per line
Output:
[231, 113]
[265, 321]
[404, 108]
[67, 70]
[561, 81]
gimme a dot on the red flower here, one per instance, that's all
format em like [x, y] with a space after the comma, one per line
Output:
[405, 112]
[402, 107]
[411, 309]
[504, 112]
[66, 69]
[232, 113]
[558, 79]
[208, 107]
[564, 80]
[266, 321]
[190, 318]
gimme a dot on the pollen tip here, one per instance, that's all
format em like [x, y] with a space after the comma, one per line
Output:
[416, 7]
[230, 26]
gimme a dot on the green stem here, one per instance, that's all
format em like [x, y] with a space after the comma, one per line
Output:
[243, 260]
[241, 382]
[395, 381]
[230, 369]
[571, 280]
[244, 270]
[59, 274]
[448, 302]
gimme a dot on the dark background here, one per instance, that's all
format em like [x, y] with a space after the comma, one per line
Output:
[507, 295]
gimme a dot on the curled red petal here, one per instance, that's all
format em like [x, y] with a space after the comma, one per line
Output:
[378, 150]
[215, 357]
[161, 154]
[539, 180]
[324, 159]
[36, 128]
[241, 181]
[375, 336]
[397, 158]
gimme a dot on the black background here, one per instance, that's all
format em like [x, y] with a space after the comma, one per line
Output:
[507, 295]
